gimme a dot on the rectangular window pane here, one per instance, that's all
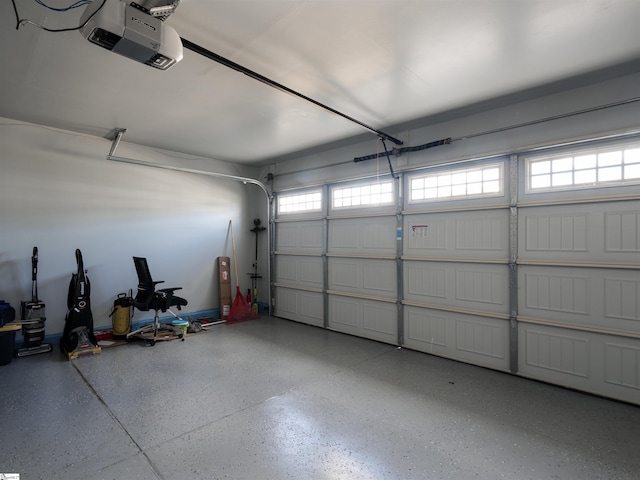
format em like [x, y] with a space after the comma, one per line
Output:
[609, 174]
[474, 188]
[632, 171]
[444, 180]
[585, 176]
[458, 190]
[431, 193]
[474, 176]
[564, 178]
[431, 182]
[585, 161]
[491, 174]
[538, 168]
[491, 187]
[541, 181]
[459, 178]
[609, 158]
[562, 164]
[632, 155]
[444, 191]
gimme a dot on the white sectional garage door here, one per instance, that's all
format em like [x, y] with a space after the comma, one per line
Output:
[299, 270]
[579, 287]
[362, 277]
[456, 285]
[542, 282]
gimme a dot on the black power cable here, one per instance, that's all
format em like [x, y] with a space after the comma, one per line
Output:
[23, 21]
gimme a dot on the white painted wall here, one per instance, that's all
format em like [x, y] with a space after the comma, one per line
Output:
[59, 192]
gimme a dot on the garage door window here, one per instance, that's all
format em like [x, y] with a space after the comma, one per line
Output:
[604, 167]
[485, 181]
[300, 202]
[362, 195]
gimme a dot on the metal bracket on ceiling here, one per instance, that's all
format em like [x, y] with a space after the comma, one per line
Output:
[160, 9]
[117, 136]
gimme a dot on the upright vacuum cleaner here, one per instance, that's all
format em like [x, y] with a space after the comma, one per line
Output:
[77, 337]
[32, 317]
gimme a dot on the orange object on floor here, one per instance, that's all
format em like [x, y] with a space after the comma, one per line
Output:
[240, 309]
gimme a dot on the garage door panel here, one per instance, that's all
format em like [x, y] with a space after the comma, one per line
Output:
[366, 277]
[481, 336]
[363, 236]
[299, 237]
[483, 234]
[622, 364]
[599, 298]
[605, 232]
[622, 299]
[300, 271]
[622, 232]
[381, 320]
[469, 338]
[299, 305]
[427, 330]
[286, 301]
[463, 285]
[364, 318]
[566, 352]
[592, 362]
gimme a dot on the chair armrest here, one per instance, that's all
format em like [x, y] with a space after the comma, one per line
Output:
[169, 290]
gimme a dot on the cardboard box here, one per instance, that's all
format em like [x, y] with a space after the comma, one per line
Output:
[224, 280]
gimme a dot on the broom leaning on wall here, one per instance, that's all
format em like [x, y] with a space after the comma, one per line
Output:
[240, 309]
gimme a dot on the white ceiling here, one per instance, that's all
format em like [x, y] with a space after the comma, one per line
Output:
[382, 62]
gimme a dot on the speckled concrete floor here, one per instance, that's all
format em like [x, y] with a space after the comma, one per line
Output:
[273, 399]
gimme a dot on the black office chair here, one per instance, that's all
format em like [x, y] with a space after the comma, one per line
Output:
[148, 298]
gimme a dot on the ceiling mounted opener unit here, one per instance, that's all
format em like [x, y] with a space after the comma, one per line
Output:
[132, 31]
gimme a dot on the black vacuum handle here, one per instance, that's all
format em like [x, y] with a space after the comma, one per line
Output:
[34, 275]
[34, 264]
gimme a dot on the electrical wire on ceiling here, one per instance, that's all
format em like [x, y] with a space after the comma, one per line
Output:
[79, 3]
[24, 21]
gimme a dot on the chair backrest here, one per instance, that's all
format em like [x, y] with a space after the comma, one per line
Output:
[146, 285]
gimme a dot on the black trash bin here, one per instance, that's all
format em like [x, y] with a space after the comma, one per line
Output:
[7, 339]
